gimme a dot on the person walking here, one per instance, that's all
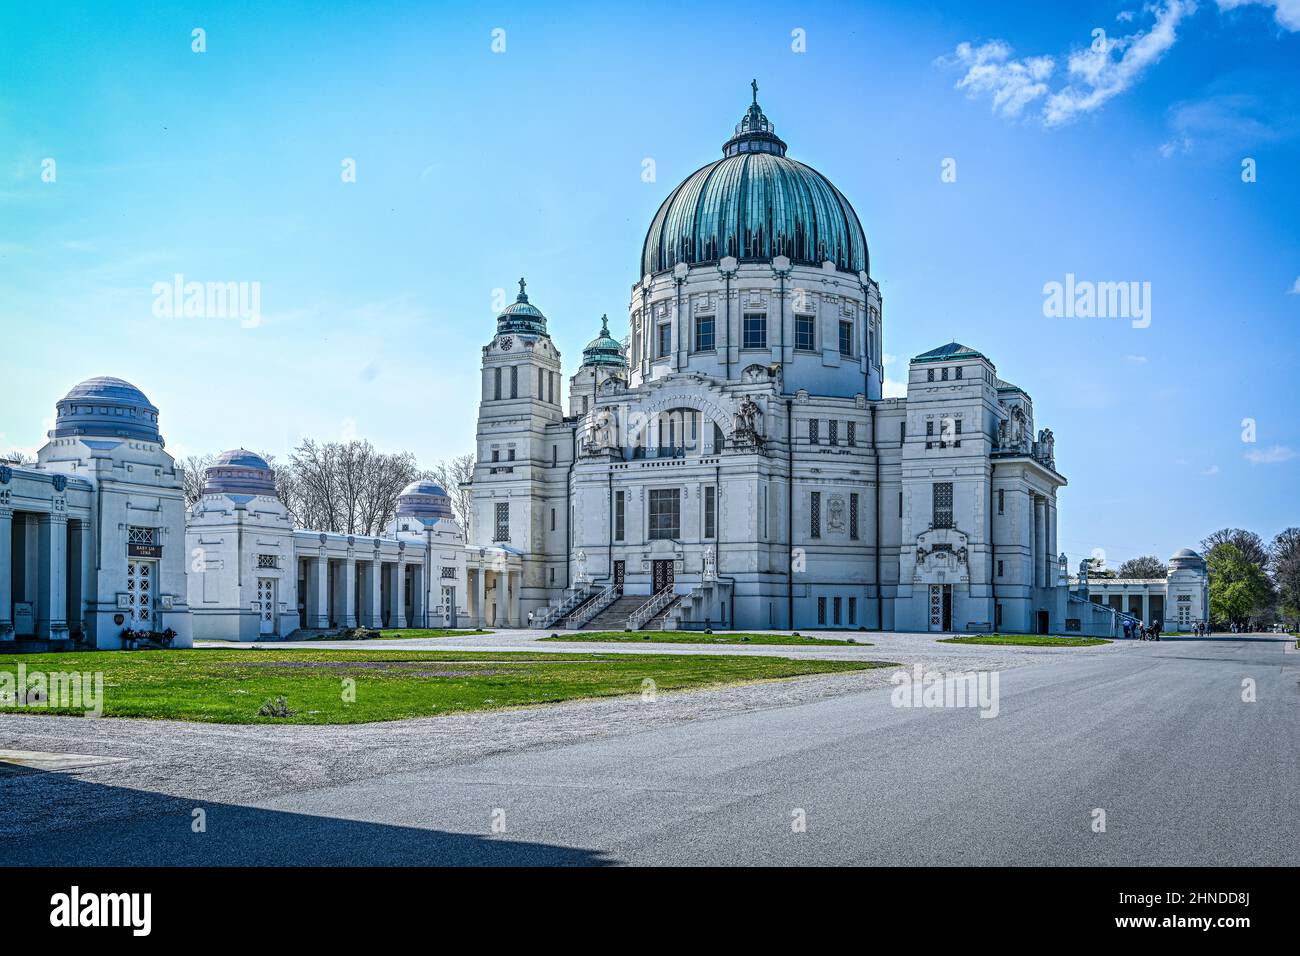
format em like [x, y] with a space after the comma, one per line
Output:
[1155, 630]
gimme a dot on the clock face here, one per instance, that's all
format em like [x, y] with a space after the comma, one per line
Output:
[506, 343]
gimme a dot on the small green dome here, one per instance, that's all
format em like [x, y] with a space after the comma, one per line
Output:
[521, 316]
[604, 349]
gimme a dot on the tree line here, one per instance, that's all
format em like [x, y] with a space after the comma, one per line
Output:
[1251, 581]
[347, 487]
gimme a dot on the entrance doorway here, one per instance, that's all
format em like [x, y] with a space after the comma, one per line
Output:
[1043, 622]
[941, 607]
[620, 572]
[663, 575]
[140, 576]
[266, 605]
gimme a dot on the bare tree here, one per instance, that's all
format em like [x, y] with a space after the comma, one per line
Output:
[344, 487]
[193, 468]
[1250, 545]
[17, 457]
[451, 473]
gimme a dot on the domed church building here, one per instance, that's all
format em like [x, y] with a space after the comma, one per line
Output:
[732, 461]
[92, 537]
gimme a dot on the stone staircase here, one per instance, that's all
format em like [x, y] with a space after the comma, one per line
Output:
[614, 617]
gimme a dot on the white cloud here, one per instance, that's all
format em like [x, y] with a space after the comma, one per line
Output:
[895, 389]
[1136, 358]
[1270, 456]
[1093, 76]
[1295, 289]
[1285, 12]
[890, 359]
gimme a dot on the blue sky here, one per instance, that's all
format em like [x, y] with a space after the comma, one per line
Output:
[474, 167]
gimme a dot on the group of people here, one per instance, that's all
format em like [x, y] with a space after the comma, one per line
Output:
[1136, 630]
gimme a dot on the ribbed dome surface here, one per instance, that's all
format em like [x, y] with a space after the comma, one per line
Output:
[239, 472]
[106, 407]
[604, 349]
[755, 204]
[425, 500]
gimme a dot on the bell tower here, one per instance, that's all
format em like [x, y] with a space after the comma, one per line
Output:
[517, 473]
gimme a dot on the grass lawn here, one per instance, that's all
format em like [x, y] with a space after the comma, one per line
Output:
[229, 686]
[1025, 640]
[406, 634]
[699, 637]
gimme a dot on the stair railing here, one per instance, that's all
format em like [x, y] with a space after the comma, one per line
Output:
[607, 596]
[651, 608]
[570, 604]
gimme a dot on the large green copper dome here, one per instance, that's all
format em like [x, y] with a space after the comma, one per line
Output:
[521, 316]
[604, 349]
[755, 204]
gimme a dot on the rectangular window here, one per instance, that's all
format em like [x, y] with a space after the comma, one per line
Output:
[555, 455]
[552, 519]
[619, 511]
[853, 610]
[846, 338]
[815, 514]
[665, 339]
[496, 454]
[943, 504]
[268, 561]
[838, 605]
[944, 375]
[959, 371]
[502, 530]
[814, 431]
[704, 333]
[929, 375]
[551, 377]
[138, 535]
[448, 573]
[541, 385]
[851, 427]
[999, 569]
[514, 381]
[853, 516]
[1002, 502]
[821, 610]
[496, 384]
[755, 330]
[902, 432]
[710, 512]
[833, 431]
[805, 333]
[510, 455]
[665, 513]
[900, 504]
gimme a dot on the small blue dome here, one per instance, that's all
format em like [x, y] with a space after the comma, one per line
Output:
[106, 407]
[604, 349]
[521, 316]
[239, 472]
[755, 204]
[425, 500]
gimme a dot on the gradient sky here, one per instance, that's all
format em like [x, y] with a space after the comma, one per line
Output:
[475, 167]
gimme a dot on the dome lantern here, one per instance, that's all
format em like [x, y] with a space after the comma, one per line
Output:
[239, 472]
[604, 349]
[521, 316]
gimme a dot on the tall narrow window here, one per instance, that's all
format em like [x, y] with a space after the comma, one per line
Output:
[929, 375]
[902, 432]
[551, 376]
[514, 381]
[502, 530]
[619, 511]
[853, 516]
[704, 333]
[814, 431]
[943, 504]
[555, 455]
[815, 514]
[665, 513]
[805, 333]
[846, 338]
[710, 512]
[552, 519]
[900, 504]
[541, 385]
[821, 610]
[1002, 501]
[851, 429]
[833, 431]
[838, 605]
[755, 330]
[496, 383]
[664, 341]
[944, 374]
[853, 610]
[958, 371]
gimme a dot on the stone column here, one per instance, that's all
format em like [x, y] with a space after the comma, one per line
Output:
[514, 580]
[52, 581]
[418, 616]
[318, 593]
[345, 592]
[371, 592]
[398, 591]
[6, 574]
[1040, 542]
[480, 599]
[1146, 606]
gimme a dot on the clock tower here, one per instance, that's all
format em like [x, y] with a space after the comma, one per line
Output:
[519, 475]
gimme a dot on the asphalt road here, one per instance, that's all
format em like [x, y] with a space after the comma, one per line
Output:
[1156, 735]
